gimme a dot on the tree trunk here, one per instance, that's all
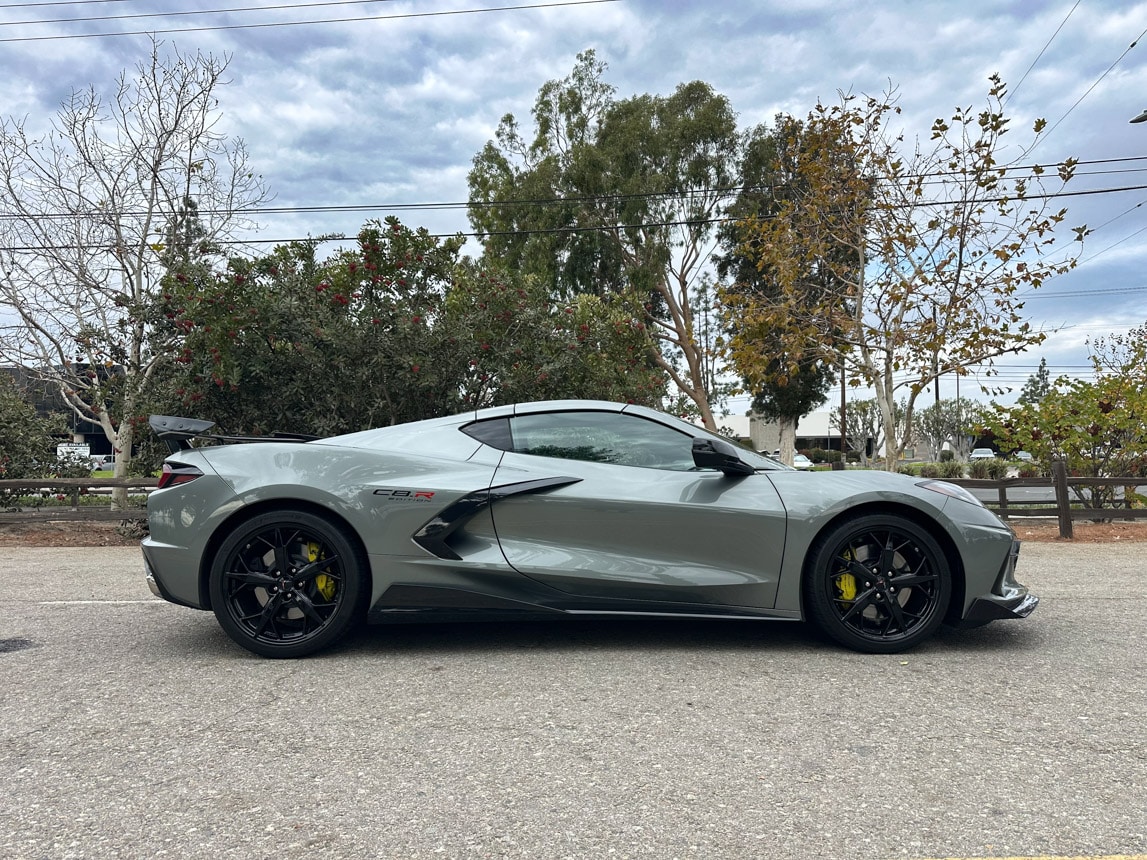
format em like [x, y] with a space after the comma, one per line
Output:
[787, 428]
[122, 442]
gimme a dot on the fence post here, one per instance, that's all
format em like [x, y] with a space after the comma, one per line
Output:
[1062, 502]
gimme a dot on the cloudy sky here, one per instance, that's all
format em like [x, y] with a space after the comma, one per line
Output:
[387, 106]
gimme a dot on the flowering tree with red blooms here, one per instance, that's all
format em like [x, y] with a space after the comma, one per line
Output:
[1097, 427]
[525, 345]
[396, 329]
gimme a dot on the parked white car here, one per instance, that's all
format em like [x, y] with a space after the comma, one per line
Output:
[800, 461]
[982, 454]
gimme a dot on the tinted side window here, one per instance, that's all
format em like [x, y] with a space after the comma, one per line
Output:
[495, 432]
[602, 437]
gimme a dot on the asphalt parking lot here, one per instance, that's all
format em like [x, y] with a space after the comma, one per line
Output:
[133, 728]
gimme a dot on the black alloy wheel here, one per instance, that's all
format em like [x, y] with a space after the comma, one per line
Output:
[287, 584]
[877, 584]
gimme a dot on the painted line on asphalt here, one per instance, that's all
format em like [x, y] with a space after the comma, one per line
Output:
[155, 600]
[1052, 857]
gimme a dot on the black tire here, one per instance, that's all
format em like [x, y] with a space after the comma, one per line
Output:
[288, 583]
[877, 584]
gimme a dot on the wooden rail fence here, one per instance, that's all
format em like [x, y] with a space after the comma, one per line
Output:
[1065, 508]
[72, 489]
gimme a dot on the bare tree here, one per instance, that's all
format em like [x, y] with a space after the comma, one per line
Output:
[864, 426]
[94, 211]
[946, 240]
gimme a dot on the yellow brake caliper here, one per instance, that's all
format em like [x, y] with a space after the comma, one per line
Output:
[846, 582]
[325, 584]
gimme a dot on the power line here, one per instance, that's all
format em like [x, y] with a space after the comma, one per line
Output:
[1042, 51]
[727, 191]
[396, 16]
[596, 228]
[187, 13]
[60, 3]
[1114, 244]
[1118, 60]
[1043, 294]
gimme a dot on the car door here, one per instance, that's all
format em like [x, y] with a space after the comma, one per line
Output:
[635, 521]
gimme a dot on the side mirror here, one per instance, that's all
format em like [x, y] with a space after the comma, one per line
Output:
[721, 455]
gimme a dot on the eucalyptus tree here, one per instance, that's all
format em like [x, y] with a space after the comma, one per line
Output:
[611, 196]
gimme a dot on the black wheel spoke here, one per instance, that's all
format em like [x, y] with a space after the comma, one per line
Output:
[908, 580]
[266, 618]
[308, 609]
[881, 583]
[859, 570]
[862, 602]
[282, 558]
[251, 577]
[887, 555]
[309, 571]
[897, 623]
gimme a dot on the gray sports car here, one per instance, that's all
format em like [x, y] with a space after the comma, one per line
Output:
[559, 509]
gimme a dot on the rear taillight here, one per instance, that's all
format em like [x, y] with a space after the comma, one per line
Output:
[177, 473]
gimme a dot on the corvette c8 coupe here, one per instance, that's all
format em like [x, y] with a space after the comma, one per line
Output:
[553, 510]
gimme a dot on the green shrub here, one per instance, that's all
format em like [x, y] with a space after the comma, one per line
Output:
[997, 469]
[950, 469]
[930, 470]
[978, 468]
[947, 455]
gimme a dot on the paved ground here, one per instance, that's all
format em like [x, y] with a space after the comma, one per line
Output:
[131, 728]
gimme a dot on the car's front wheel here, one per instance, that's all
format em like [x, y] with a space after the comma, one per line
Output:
[877, 584]
[287, 584]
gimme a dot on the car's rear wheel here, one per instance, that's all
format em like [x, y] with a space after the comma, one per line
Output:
[877, 584]
[287, 584]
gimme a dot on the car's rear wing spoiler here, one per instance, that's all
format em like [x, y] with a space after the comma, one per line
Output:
[178, 433]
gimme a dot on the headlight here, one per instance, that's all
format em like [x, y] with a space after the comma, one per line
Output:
[956, 492]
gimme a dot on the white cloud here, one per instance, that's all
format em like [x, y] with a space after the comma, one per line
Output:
[392, 111]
